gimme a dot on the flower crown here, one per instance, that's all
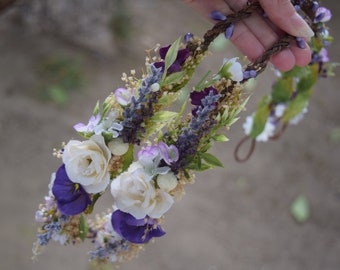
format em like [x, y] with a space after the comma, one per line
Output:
[170, 146]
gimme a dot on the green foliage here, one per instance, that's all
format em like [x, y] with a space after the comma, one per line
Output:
[282, 90]
[83, 228]
[59, 76]
[171, 56]
[260, 118]
[212, 160]
[173, 78]
[128, 158]
[120, 23]
[300, 209]
[307, 78]
[335, 135]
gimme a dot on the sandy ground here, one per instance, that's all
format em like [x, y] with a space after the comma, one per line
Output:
[235, 218]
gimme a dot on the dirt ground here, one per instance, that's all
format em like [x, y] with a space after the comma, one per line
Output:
[236, 218]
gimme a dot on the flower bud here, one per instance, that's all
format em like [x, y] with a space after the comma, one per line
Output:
[167, 182]
[118, 147]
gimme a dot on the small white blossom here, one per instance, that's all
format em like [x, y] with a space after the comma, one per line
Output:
[232, 69]
[268, 131]
[279, 110]
[61, 238]
[109, 125]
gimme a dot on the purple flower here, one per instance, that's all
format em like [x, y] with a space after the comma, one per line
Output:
[322, 14]
[197, 97]
[182, 55]
[137, 231]
[93, 122]
[123, 96]
[71, 197]
[169, 153]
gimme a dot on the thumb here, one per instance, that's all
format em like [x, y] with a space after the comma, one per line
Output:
[283, 14]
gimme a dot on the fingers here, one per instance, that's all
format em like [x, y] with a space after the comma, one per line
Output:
[254, 35]
[283, 14]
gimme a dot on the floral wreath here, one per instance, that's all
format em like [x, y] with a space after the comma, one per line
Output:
[171, 145]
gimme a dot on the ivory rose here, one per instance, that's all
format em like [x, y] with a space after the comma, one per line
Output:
[86, 163]
[134, 192]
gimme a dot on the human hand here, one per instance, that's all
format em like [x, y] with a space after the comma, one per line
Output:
[254, 35]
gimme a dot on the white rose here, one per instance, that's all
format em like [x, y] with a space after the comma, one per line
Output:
[135, 193]
[86, 163]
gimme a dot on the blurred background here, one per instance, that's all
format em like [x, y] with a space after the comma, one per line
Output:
[57, 58]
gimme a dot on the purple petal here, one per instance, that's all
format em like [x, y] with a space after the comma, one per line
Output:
[137, 231]
[80, 127]
[301, 43]
[71, 198]
[159, 65]
[229, 31]
[187, 37]
[217, 15]
[163, 51]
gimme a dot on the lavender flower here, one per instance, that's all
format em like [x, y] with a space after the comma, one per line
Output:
[71, 197]
[188, 141]
[140, 108]
[137, 231]
[52, 230]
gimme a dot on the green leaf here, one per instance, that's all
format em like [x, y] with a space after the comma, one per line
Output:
[260, 117]
[58, 94]
[164, 116]
[168, 99]
[201, 84]
[220, 138]
[173, 78]
[295, 107]
[300, 209]
[83, 228]
[96, 108]
[307, 82]
[201, 168]
[128, 158]
[282, 90]
[212, 160]
[171, 56]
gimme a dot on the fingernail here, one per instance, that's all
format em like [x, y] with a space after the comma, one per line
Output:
[303, 29]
